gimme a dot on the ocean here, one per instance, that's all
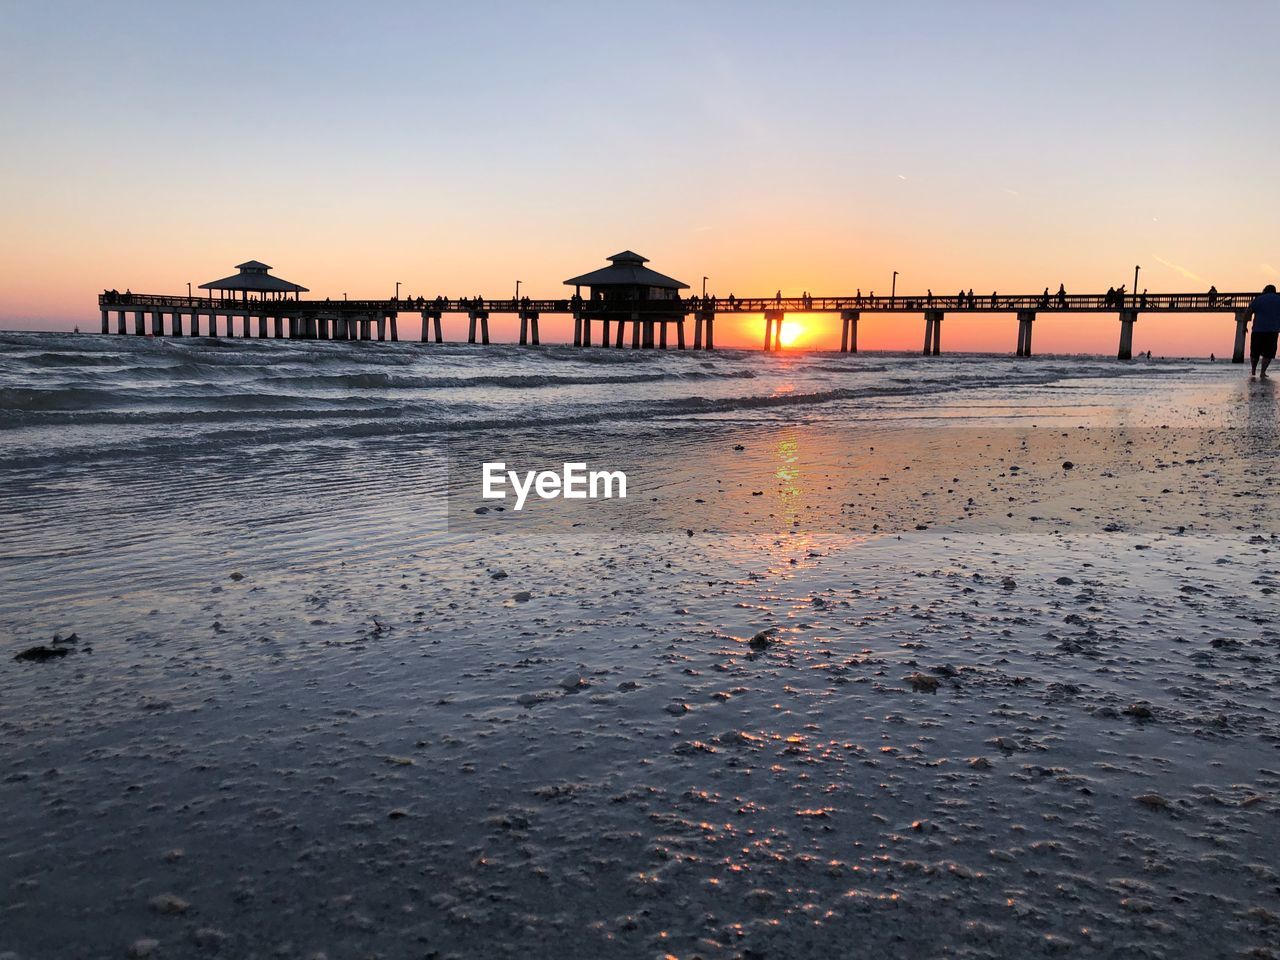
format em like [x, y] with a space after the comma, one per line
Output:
[935, 656]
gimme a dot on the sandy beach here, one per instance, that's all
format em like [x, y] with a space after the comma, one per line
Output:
[946, 697]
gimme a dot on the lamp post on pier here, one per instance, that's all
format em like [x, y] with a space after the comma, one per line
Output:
[1135, 285]
[518, 282]
[397, 290]
[188, 289]
[893, 289]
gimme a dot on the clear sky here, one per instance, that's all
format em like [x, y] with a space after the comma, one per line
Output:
[458, 147]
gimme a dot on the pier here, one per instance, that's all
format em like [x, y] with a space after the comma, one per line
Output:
[626, 301]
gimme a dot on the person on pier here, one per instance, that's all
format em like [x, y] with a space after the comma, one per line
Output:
[1062, 296]
[1264, 312]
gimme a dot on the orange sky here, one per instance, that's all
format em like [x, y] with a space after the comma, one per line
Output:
[1015, 147]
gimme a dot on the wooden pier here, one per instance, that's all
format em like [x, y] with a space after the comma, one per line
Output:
[636, 306]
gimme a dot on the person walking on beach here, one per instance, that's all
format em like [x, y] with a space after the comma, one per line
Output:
[1264, 312]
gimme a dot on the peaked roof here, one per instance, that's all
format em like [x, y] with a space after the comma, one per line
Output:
[253, 276]
[626, 269]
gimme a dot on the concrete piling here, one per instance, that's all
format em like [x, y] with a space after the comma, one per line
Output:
[849, 331]
[1127, 319]
[1025, 320]
[1242, 325]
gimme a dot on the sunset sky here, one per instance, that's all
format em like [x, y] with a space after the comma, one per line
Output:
[805, 146]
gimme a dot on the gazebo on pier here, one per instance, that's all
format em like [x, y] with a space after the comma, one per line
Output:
[624, 292]
[254, 278]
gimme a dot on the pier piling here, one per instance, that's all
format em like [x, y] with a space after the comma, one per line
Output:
[849, 331]
[1242, 325]
[773, 329]
[932, 333]
[1127, 319]
[1025, 319]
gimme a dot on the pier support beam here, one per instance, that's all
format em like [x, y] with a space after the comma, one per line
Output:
[697, 331]
[662, 334]
[262, 326]
[1025, 319]
[772, 329]
[932, 333]
[395, 332]
[157, 323]
[680, 334]
[618, 339]
[1127, 319]
[1242, 325]
[529, 322]
[195, 324]
[483, 317]
[849, 331]
[244, 326]
[106, 322]
[586, 331]
[121, 324]
[382, 328]
[635, 332]
[177, 324]
[604, 331]
[139, 323]
[711, 331]
[577, 329]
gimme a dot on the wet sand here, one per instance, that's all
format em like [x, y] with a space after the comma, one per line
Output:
[971, 711]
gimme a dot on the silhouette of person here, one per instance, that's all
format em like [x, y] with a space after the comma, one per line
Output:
[1213, 295]
[1264, 313]
[1062, 295]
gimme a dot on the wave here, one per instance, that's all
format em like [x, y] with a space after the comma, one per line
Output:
[390, 381]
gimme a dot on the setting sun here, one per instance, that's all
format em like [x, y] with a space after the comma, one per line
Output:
[789, 332]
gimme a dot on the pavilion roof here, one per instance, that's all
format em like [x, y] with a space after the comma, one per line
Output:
[253, 276]
[626, 269]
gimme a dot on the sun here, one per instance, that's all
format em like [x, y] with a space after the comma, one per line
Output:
[789, 332]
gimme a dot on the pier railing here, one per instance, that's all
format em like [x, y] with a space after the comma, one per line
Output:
[989, 303]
